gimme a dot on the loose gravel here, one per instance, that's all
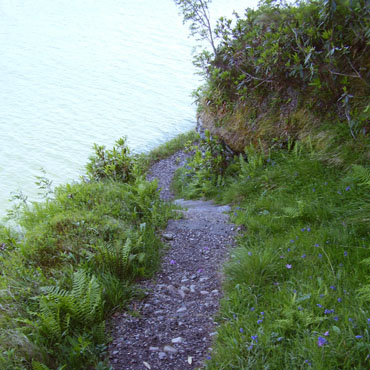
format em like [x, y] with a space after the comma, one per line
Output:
[172, 327]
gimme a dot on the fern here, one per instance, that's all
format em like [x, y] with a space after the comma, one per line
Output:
[361, 174]
[39, 366]
[62, 313]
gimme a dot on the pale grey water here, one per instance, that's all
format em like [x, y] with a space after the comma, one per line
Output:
[73, 73]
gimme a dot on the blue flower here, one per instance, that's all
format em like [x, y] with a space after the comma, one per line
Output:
[252, 308]
[259, 321]
[333, 287]
[339, 299]
[255, 338]
[303, 256]
[350, 319]
[321, 341]
[336, 318]
[345, 253]
[327, 312]
[348, 188]
[320, 255]
[292, 240]
[308, 229]
[262, 313]
[317, 245]
[358, 336]
[241, 330]
[249, 253]
[319, 305]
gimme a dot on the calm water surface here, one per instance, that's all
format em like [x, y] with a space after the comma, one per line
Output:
[73, 73]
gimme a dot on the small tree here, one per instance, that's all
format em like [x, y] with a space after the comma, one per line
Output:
[197, 13]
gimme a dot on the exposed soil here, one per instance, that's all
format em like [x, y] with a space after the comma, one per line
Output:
[174, 326]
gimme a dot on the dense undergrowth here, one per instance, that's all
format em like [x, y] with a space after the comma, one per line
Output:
[289, 71]
[297, 286]
[75, 258]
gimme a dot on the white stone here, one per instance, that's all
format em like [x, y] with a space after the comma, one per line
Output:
[169, 349]
[177, 340]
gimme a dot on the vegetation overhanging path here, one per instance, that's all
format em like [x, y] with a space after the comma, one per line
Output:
[172, 328]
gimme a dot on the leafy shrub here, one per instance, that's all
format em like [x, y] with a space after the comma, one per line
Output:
[115, 164]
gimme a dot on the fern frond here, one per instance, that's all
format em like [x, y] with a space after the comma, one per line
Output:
[361, 174]
[39, 366]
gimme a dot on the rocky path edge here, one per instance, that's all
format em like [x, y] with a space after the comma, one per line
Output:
[174, 325]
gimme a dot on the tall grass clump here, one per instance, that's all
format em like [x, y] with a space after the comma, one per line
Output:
[297, 285]
[74, 260]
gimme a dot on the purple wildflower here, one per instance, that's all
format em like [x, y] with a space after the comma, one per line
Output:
[328, 312]
[262, 313]
[300, 308]
[326, 333]
[292, 240]
[307, 362]
[321, 341]
[317, 245]
[241, 330]
[252, 308]
[348, 188]
[288, 266]
[336, 318]
[358, 336]
[255, 338]
[350, 319]
[303, 229]
[308, 229]
[289, 249]
[333, 287]
[199, 271]
[250, 347]
[339, 299]
[294, 291]
[319, 305]
[249, 253]
[172, 262]
[259, 321]
[320, 255]
[345, 253]
[303, 256]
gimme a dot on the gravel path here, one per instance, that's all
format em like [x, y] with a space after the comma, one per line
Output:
[174, 325]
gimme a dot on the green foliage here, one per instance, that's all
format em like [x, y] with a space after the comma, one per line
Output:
[282, 57]
[197, 13]
[75, 260]
[300, 271]
[115, 164]
[204, 169]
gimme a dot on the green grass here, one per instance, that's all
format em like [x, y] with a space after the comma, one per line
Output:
[75, 260]
[297, 285]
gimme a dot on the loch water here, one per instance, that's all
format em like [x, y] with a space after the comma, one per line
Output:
[75, 73]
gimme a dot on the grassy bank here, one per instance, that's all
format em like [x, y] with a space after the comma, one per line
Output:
[296, 286]
[77, 259]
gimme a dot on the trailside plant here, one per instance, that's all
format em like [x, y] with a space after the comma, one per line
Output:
[75, 261]
[296, 286]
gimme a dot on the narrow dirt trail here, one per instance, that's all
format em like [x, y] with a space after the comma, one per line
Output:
[174, 326]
